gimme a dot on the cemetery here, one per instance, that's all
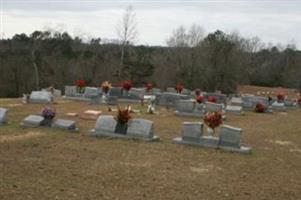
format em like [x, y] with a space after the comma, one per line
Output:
[191, 142]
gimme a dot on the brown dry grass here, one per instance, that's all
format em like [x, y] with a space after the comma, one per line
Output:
[41, 163]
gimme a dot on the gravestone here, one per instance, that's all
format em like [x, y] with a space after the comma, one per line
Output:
[140, 128]
[213, 107]
[65, 124]
[70, 91]
[105, 125]
[278, 107]
[171, 90]
[33, 121]
[169, 99]
[112, 100]
[220, 98]
[230, 139]
[186, 91]
[189, 108]
[290, 103]
[115, 91]
[156, 91]
[234, 109]
[3, 115]
[236, 101]
[249, 102]
[192, 131]
[136, 93]
[40, 97]
[91, 92]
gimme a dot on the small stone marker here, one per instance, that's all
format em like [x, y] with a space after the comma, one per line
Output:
[236, 101]
[72, 114]
[65, 124]
[3, 115]
[33, 121]
[90, 114]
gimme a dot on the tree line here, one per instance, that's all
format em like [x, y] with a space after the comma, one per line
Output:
[216, 61]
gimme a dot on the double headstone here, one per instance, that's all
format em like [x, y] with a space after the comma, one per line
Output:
[40, 97]
[3, 115]
[249, 102]
[137, 129]
[169, 99]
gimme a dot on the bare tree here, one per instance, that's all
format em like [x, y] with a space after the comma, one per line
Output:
[127, 32]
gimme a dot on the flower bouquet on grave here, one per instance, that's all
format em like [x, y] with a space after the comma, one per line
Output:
[280, 97]
[260, 108]
[212, 99]
[200, 99]
[123, 116]
[105, 86]
[179, 88]
[48, 114]
[81, 84]
[126, 86]
[148, 87]
[213, 120]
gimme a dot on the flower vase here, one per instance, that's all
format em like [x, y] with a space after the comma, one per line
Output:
[121, 128]
[104, 98]
[210, 132]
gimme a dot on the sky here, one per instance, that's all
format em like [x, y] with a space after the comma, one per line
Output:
[273, 21]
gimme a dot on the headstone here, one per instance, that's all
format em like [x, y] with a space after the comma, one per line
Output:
[220, 98]
[234, 109]
[115, 91]
[192, 131]
[186, 91]
[278, 107]
[249, 102]
[33, 120]
[3, 115]
[40, 97]
[230, 139]
[91, 92]
[136, 93]
[70, 91]
[169, 99]
[112, 100]
[105, 124]
[57, 93]
[156, 91]
[236, 101]
[290, 103]
[213, 107]
[140, 128]
[185, 105]
[171, 90]
[65, 124]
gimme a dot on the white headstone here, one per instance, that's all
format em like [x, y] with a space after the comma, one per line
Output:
[105, 124]
[213, 107]
[192, 131]
[230, 136]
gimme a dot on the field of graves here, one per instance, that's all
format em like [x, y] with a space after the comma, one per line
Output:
[43, 163]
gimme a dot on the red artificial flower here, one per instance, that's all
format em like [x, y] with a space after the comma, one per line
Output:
[179, 87]
[200, 99]
[127, 85]
[280, 96]
[148, 87]
[212, 99]
[80, 83]
[213, 120]
[260, 108]
[123, 115]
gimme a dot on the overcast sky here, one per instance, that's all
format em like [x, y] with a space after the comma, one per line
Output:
[277, 21]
